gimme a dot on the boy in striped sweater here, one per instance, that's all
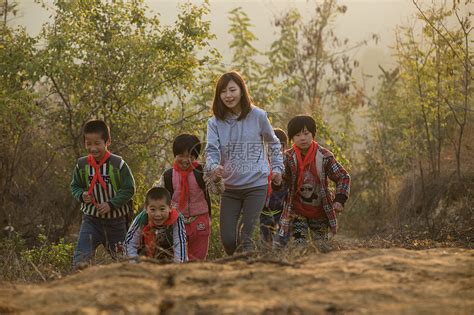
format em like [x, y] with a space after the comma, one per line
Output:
[158, 231]
[104, 185]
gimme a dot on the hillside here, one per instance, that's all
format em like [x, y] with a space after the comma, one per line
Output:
[358, 281]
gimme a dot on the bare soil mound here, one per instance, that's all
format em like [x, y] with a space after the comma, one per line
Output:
[360, 281]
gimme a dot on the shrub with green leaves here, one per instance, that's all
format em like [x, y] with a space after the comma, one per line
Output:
[50, 256]
[47, 260]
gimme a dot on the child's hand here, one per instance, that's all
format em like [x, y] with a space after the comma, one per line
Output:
[338, 207]
[215, 178]
[86, 197]
[217, 173]
[276, 179]
[219, 170]
[103, 208]
[334, 230]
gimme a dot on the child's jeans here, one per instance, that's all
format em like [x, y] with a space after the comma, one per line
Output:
[198, 232]
[268, 222]
[234, 203]
[95, 231]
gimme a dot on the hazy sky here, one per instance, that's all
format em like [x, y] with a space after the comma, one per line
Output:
[362, 18]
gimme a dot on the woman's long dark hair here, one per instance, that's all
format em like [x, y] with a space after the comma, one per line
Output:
[218, 107]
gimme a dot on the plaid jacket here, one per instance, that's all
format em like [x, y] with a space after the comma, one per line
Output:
[328, 167]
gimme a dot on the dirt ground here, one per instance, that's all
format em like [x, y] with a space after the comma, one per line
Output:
[358, 281]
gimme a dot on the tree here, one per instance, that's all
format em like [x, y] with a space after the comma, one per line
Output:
[23, 159]
[313, 64]
[456, 42]
[7, 7]
[249, 61]
[420, 104]
[311, 57]
[99, 59]
[436, 74]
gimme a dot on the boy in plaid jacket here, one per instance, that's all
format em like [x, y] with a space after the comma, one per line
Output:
[310, 204]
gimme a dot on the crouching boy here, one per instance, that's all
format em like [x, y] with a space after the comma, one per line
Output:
[158, 231]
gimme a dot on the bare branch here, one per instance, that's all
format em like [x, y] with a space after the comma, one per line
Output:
[425, 18]
[67, 104]
[452, 110]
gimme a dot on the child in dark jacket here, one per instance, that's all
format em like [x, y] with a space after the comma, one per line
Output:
[273, 208]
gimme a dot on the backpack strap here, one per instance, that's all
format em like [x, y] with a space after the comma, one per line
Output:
[83, 170]
[115, 163]
[168, 181]
[199, 175]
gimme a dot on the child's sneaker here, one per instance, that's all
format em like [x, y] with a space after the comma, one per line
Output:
[323, 246]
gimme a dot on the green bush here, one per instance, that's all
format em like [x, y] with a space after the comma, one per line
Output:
[50, 257]
[11, 266]
[215, 246]
[45, 261]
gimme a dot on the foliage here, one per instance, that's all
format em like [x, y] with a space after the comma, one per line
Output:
[216, 250]
[6, 8]
[44, 261]
[50, 256]
[418, 122]
[24, 155]
[293, 78]
[115, 61]
[436, 67]
[98, 59]
[249, 61]
[314, 64]
[315, 71]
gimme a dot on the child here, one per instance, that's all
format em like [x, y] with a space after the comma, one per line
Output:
[189, 195]
[158, 231]
[307, 169]
[235, 153]
[275, 200]
[104, 185]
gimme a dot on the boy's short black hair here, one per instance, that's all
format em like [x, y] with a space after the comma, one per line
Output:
[97, 126]
[187, 143]
[157, 193]
[298, 123]
[281, 135]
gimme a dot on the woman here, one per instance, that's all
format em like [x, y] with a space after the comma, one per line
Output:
[236, 154]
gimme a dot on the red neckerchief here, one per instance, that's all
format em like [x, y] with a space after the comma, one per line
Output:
[149, 235]
[308, 159]
[184, 185]
[269, 181]
[97, 175]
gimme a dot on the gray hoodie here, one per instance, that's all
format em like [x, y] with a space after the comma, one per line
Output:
[239, 146]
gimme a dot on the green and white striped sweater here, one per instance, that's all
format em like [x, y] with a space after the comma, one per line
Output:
[119, 190]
